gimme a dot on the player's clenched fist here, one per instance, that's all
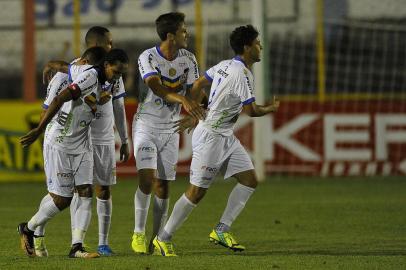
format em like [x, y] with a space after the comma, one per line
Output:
[30, 137]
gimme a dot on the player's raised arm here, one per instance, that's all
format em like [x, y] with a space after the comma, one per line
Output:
[72, 92]
[254, 110]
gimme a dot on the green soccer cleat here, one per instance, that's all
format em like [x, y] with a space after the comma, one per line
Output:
[40, 247]
[226, 239]
[138, 243]
[163, 248]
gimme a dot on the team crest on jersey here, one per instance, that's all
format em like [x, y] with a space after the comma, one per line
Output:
[172, 72]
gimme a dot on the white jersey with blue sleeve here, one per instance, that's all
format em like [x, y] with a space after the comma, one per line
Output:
[102, 127]
[232, 87]
[177, 75]
[70, 131]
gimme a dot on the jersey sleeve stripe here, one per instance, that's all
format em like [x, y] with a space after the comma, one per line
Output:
[120, 96]
[208, 77]
[45, 106]
[69, 74]
[248, 101]
[149, 74]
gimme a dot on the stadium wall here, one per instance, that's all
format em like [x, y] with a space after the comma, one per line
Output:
[327, 139]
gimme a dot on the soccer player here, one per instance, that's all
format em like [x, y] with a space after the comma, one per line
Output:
[102, 134]
[168, 70]
[215, 146]
[59, 82]
[68, 154]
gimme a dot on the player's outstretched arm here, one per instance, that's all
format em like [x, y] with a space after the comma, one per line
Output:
[190, 106]
[51, 68]
[120, 121]
[66, 95]
[255, 110]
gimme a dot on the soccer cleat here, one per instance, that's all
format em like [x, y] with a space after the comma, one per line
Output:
[138, 243]
[40, 248]
[163, 248]
[78, 251]
[26, 239]
[104, 250]
[226, 239]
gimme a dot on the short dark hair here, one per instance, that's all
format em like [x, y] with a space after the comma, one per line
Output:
[95, 35]
[94, 55]
[241, 36]
[116, 55]
[168, 23]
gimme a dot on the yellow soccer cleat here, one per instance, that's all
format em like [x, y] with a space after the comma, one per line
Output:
[163, 248]
[226, 239]
[138, 243]
[40, 248]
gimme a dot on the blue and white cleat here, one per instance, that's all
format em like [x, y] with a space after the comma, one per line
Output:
[105, 250]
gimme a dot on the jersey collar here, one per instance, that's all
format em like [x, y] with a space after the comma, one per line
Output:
[238, 58]
[158, 49]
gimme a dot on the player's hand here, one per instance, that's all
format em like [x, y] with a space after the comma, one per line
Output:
[186, 123]
[124, 152]
[275, 104]
[30, 137]
[193, 108]
[47, 74]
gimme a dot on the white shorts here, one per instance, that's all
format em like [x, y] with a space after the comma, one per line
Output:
[104, 170]
[157, 151]
[64, 171]
[213, 153]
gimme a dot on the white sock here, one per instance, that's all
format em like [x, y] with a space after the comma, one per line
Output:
[141, 205]
[236, 202]
[183, 207]
[104, 210]
[46, 211]
[160, 214]
[40, 230]
[73, 208]
[82, 219]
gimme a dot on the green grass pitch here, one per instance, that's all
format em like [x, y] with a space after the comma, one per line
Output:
[289, 223]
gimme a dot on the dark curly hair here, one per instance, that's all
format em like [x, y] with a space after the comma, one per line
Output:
[241, 36]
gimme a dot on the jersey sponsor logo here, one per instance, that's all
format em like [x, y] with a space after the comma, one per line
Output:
[220, 120]
[222, 73]
[161, 102]
[64, 175]
[209, 169]
[146, 158]
[99, 114]
[147, 149]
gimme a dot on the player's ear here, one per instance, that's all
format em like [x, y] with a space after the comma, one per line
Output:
[170, 36]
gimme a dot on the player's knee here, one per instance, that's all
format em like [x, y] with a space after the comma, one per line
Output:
[195, 194]
[161, 188]
[103, 192]
[85, 190]
[61, 202]
[247, 178]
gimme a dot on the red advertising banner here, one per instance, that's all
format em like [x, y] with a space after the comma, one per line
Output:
[311, 138]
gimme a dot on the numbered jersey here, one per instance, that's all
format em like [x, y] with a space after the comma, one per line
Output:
[177, 75]
[70, 131]
[231, 88]
[102, 127]
[58, 83]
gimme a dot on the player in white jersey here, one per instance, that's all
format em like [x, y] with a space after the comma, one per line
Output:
[215, 147]
[102, 134]
[168, 70]
[58, 83]
[68, 158]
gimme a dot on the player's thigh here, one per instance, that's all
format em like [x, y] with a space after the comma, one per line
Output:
[167, 158]
[239, 164]
[207, 158]
[83, 167]
[104, 170]
[145, 150]
[58, 171]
